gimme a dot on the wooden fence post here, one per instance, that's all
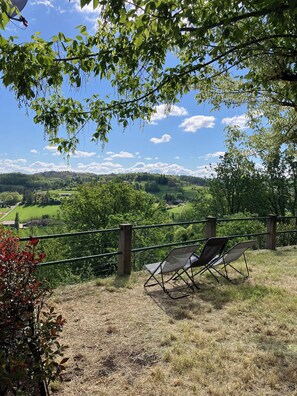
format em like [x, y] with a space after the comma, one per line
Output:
[125, 247]
[210, 227]
[271, 232]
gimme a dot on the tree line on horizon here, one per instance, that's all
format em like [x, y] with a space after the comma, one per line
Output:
[66, 180]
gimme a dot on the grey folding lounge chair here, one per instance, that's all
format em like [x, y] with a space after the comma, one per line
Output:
[211, 252]
[172, 264]
[231, 256]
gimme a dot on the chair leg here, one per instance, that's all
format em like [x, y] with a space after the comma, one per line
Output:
[240, 272]
[209, 269]
[162, 284]
[192, 278]
[176, 298]
[146, 284]
[220, 273]
[235, 269]
[246, 266]
[176, 276]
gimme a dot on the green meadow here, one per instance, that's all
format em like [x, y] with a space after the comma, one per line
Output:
[189, 191]
[29, 212]
[180, 208]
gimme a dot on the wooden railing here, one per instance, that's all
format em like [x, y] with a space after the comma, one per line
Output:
[125, 248]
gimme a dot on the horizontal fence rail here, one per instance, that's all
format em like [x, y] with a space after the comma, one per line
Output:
[130, 241]
[75, 259]
[69, 234]
[82, 261]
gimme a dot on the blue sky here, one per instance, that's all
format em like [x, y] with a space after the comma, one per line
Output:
[184, 141]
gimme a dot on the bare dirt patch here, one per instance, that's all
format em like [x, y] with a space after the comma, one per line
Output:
[110, 336]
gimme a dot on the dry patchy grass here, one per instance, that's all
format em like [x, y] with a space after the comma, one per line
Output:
[220, 341]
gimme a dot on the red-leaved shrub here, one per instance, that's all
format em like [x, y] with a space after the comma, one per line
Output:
[29, 327]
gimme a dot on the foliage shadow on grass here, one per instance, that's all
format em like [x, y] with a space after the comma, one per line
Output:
[177, 309]
[240, 291]
[208, 297]
[116, 282]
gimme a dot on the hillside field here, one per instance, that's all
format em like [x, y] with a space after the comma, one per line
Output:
[189, 191]
[178, 209]
[29, 212]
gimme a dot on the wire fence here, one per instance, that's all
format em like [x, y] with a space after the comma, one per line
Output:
[72, 257]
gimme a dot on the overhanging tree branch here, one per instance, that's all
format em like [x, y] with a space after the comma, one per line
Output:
[229, 21]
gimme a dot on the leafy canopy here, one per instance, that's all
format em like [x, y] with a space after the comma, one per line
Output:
[228, 52]
[103, 205]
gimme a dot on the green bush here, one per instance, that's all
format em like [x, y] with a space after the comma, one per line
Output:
[287, 238]
[29, 327]
[242, 227]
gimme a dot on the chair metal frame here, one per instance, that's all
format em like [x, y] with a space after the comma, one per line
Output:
[211, 252]
[174, 262]
[233, 254]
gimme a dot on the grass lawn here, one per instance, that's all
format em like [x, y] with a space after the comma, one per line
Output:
[190, 191]
[57, 193]
[3, 211]
[229, 340]
[28, 212]
[163, 190]
[178, 209]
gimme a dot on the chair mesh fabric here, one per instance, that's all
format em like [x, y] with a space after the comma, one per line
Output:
[177, 258]
[212, 249]
[236, 251]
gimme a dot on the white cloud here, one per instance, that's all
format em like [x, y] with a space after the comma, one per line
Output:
[177, 157]
[87, 9]
[90, 15]
[214, 155]
[76, 154]
[100, 168]
[50, 148]
[82, 154]
[204, 171]
[8, 166]
[40, 166]
[53, 150]
[10, 162]
[121, 154]
[240, 121]
[163, 139]
[21, 165]
[169, 169]
[162, 111]
[53, 6]
[46, 3]
[33, 151]
[192, 124]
